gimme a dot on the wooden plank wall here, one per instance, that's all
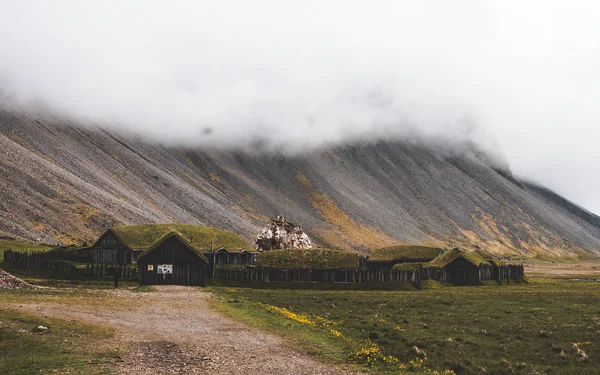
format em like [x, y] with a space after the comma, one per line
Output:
[183, 274]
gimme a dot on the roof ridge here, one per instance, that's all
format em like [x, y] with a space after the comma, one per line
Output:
[165, 237]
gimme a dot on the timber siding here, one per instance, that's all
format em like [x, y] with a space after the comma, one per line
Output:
[109, 249]
[224, 256]
[189, 267]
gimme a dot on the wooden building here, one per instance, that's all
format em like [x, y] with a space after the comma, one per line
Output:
[110, 248]
[124, 244]
[172, 260]
[462, 267]
[225, 256]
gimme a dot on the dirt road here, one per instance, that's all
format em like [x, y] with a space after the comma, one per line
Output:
[175, 331]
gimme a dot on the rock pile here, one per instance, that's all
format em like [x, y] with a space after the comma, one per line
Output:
[8, 281]
[282, 234]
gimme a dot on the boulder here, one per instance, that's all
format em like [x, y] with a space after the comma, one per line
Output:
[282, 234]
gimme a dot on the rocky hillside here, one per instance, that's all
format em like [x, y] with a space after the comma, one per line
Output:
[66, 183]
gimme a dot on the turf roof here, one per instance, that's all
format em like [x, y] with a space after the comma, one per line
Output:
[476, 258]
[307, 258]
[406, 266]
[166, 237]
[144, 236]
[405, 252]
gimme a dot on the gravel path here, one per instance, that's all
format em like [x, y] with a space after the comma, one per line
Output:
[174, 331]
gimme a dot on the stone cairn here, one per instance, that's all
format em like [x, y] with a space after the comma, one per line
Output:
[282, 234]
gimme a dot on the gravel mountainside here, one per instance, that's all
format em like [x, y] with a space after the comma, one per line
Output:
[64, 183]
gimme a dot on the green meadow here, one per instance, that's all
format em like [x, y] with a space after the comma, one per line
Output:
[544, 326]
[66, 347]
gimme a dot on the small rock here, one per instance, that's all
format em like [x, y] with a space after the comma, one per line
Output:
[419, 352]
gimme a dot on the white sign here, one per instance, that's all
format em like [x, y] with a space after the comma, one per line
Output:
[164, 268]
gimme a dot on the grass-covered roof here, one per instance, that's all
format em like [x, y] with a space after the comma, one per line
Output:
[307, 258]
[406, 266]
[476, 258]
[405, 252]
[143, 236]
[167, 236]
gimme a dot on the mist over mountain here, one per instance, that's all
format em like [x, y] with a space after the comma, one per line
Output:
[311, 75]
[63, 182]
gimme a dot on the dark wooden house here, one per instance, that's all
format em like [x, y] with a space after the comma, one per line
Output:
[460, 267]
[124, 244]
[110, 248]
[172, 260]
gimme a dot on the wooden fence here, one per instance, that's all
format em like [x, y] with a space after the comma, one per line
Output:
[360, 275]
[345, 275]
[126, 272]
[50, 262]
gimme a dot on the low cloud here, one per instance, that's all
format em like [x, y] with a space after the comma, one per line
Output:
[522, 76]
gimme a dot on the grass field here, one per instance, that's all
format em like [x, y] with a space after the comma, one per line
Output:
[66, 347]
[21, 246]
[527, 328]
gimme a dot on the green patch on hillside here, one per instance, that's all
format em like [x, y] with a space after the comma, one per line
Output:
[143, 236]
[405, 252]
[66, 347]
[307, 258]
[21, 247]
[518, 329]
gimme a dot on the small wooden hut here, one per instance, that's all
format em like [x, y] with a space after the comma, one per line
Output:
[460, 267]
[172, 260]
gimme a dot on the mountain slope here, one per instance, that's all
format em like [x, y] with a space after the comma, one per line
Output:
[67, 183]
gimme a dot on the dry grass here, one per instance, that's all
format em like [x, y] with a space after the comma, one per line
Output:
[563, 269]
[345, 232]
[500, 241]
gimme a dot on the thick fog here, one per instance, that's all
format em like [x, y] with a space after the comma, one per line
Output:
[521, 75]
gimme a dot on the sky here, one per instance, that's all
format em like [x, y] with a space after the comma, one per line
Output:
[520, 78]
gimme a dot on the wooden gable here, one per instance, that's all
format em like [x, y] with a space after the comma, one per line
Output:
[172, 249]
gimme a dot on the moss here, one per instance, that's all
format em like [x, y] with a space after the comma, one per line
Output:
[145, 235]
[307, 258]
[406, 266]
[476, 258]
[405, 252]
